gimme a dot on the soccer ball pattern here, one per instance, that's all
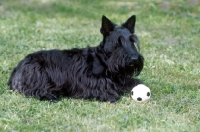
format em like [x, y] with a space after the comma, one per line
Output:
[141, 93]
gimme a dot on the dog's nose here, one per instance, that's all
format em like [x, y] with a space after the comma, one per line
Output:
[134, 58]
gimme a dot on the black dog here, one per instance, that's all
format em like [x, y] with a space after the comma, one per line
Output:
[103, 72]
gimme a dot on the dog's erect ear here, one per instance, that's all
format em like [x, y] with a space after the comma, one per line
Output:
[107, 26]
[130, 24]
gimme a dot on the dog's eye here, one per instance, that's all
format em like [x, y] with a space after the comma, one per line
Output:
[119, 41]
[118, 45]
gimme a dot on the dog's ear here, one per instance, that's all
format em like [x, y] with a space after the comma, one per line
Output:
[130, 24]
[107, 26]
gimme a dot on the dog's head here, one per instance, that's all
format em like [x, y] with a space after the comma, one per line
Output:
[120, 47]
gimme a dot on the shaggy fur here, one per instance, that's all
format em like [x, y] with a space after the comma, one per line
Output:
[103, 72]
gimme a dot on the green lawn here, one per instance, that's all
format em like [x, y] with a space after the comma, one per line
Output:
[169, 33]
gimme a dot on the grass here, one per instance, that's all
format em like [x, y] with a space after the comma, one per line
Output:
[169, 36]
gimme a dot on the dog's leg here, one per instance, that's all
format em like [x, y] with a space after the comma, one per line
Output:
[102, 89]
[49, 97]
[108, 91]
[130, 83]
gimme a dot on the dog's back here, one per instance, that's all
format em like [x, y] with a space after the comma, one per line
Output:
[44, 72]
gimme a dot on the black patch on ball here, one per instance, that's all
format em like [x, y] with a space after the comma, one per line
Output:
[139, 99]
[132, 93]
[148, 94]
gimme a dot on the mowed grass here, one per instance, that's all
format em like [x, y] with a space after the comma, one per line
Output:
[169, 37]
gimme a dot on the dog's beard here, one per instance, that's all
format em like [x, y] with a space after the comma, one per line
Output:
[135, 68]
[118, 64]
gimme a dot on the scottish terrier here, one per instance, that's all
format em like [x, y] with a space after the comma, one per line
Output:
[103, 72]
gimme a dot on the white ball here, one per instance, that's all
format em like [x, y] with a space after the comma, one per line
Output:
[140, 93]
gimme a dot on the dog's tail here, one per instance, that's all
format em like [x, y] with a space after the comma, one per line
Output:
[11, 78]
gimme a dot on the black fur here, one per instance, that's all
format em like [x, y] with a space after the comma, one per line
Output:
[103, 72]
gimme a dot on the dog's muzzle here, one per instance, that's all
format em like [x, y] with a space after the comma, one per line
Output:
[132, 61]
